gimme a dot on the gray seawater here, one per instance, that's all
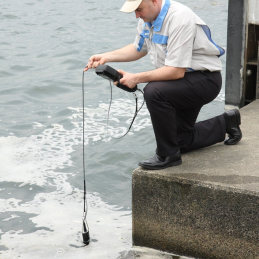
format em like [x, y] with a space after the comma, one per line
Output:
[44, 46]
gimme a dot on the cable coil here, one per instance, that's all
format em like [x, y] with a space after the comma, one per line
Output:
[134, 117]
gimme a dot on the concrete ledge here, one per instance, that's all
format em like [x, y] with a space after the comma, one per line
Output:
[209, 206]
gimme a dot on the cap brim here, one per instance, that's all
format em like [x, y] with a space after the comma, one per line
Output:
[130, 6]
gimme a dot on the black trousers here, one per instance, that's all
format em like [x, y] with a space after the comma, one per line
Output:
[174, 107]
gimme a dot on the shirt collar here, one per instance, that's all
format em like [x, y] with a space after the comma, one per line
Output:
[160, 18]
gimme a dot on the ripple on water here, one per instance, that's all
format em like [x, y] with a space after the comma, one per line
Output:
[5, 74]
[21, 68]
[10, 17]
[21, 55]
[47, 90]
[73, 64]
[42, 55]
[71, 42]
[69, 53]
[9, 91]
[15, 102]
[61, 29]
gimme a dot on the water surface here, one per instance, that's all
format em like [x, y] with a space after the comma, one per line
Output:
[44, 47]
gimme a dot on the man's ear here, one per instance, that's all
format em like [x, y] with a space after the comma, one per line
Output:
[154, 2]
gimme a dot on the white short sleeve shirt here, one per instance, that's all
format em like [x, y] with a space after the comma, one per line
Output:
[178, 38]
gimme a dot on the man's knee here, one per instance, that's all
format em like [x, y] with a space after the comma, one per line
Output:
[150, 92]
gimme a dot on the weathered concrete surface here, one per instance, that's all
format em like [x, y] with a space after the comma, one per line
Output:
[209, 206]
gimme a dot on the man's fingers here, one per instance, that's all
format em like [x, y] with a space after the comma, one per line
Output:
[91, 62]
[121, 71]
[96, 64]
[122, 81]
[93, 65]
[95, 61]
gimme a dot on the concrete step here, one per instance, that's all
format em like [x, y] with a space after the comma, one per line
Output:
[208, 207]
[148, 253]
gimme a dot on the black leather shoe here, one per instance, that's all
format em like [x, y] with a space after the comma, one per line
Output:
[233, 120]
[157, 162]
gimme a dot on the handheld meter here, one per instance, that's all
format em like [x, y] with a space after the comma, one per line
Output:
[113, 75]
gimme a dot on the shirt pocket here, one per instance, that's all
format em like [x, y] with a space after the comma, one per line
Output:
[161, 48]
[161, 54]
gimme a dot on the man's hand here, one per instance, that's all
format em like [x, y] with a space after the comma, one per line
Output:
[129, 80]
[95, 61]
[165, 73]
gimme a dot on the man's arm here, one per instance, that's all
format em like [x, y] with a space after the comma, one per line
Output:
[125, 54]
[165, 73]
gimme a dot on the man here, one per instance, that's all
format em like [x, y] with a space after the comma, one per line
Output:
[186, 77]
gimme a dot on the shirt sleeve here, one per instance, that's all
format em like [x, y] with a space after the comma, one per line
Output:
[140, 42]
[180, 42]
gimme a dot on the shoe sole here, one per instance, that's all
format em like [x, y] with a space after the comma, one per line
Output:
[234, 143]
[179, 162]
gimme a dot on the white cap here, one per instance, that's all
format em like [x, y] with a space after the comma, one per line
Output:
[130, 6]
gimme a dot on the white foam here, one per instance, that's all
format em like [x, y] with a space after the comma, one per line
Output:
[36, 160]
[108, 226]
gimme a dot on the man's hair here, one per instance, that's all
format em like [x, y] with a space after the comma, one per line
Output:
[147, 1]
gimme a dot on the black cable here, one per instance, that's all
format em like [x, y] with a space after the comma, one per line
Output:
[83, 102]
[134, 117]
[85, 228]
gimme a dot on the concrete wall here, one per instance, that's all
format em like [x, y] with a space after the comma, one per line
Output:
[207, 207]
[189, 218]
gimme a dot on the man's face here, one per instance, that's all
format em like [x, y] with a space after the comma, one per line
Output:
[148, 10]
